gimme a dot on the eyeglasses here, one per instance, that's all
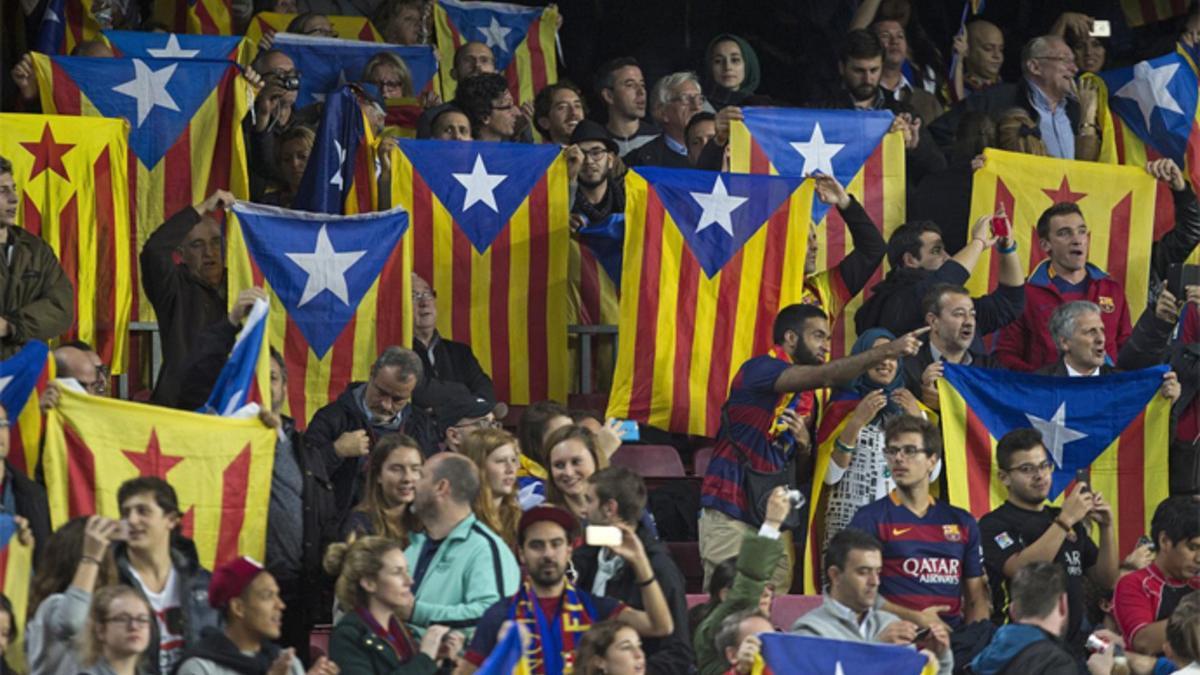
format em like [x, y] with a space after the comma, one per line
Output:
[689, 99]
[389, 84]
[902, 450]
[420, 296]
[595, 154]
[1033, 469]
[139, 621]
[98, 386]
[482, 423]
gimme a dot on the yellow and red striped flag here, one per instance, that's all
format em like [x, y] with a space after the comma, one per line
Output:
[65, 24]
[23, 378]
[522, 39]
[1115, 426]
[490, 235]
[73, 177]
[220, 468]
[204, 17]
[1142, 12]
[1117, 204]
[185, 140]
[16, 572]
[854, 147]
[709, 260]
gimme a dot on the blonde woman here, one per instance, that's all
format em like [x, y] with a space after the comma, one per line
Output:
[117, 633]
[495, 453]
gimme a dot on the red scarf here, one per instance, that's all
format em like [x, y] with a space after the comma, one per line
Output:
[395, 635]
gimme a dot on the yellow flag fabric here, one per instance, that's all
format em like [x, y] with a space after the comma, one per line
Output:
[220, 468]
[16, 569]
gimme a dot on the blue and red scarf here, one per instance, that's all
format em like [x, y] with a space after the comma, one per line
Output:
[552, 647]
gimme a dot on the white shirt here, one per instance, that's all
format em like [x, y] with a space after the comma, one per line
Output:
[170, 645]
[1071, 372]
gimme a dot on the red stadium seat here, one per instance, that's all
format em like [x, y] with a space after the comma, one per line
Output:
[700, 460]
[694, 599]
[788, 608]
[650, 461]
[686, 555]
[318, 641]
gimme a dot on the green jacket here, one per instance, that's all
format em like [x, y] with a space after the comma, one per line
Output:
[36, 298]
[756, 561]
[472, 570]
[356, 649]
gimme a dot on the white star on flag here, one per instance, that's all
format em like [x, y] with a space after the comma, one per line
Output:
[172, 50]
[837, 670]
[4, 382]
[718, 207]
[1148, 89]
[481, 185]
[326, 269]
[1055, 433]
[496, 35]
[341, 153]
[149, 87]
[818, 155]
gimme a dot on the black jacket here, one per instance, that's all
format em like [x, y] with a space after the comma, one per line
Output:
[945, 198]
[913, 367]
[454, 372]
[1177, 244]
[994, 102]
[670, 655]
[193, 594]
[215, 646]
[208, 355]
[656, 153]
[184, 304]
[29, 500]
[344, 415]
[896, 303]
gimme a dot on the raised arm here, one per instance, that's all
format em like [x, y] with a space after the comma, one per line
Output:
[803, 378]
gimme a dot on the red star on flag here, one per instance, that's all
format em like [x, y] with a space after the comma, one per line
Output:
[47, 154]
[1064, 193]
[152, 462]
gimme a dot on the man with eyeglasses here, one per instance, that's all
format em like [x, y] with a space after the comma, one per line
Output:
[1026, 529]
[489, 104]
[462, 416]
[932, 559]
[599, 194]
[673, 101]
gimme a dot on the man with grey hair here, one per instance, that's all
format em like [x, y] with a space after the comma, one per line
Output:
[38, 301]
[459, 566]
[737, 641]
[673, 101]
[343, 432]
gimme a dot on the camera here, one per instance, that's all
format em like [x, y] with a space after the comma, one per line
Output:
[286, 81]
[796, 497]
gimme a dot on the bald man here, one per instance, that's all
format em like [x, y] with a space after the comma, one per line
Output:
[473, 58]
[985, 56]
[79, 361]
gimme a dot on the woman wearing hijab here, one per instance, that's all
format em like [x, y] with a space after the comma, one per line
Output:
[857, 473]
[731, 71]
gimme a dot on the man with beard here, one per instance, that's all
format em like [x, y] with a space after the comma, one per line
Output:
[460, 567]
[599, 193]
[766, 407]
[547, 600]
[557, 110]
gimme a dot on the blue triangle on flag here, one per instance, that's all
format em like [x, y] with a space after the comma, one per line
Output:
[181, 46]
[480, 184]
[159, 97]
[52, 31]
[1079, 417]
[718, 212]
[328, 63]
[1157, 100]
[19, 375]
[834, 142]
[330, 171]
[606, 240]
[784, 653]
[500, 26]
[320, 265]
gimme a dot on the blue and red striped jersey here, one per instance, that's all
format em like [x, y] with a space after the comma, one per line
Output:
[925, 559]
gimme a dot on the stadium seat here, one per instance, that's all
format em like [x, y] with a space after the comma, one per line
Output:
[700, 460]
[787, 608]
[687, 556]
[318, 641]
[650, 461]
[694, 599]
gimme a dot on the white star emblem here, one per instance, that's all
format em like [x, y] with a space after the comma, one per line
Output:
[818, 155]
[1055, 433]
[172, 50]
[481, 185]
[341, 153]
[51, 16]
[149, 87]
[718, 206]
[495, 35]
[4, 382]
[838, 669]
[1148, 89]
[326, 269]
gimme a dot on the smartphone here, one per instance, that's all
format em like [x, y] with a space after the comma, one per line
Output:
[921, 635]
[1084, 476]
[1001, 226]
[121, 533]
[602, 535]
[1180, 276]
[1101, 28]
[629, 431]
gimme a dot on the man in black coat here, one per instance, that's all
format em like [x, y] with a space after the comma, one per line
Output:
[617, 496]
[342, 433]
[952, 316]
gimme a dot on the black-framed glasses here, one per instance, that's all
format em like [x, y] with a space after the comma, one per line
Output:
[1028, 469]
[595, 154]
[906, 451]
[419, 296]
[689, 99]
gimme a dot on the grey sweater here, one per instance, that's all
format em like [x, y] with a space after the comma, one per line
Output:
[50, 635]
[834, 620]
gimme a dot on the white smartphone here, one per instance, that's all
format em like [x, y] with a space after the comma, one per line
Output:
[1101, 28]
[602, 535]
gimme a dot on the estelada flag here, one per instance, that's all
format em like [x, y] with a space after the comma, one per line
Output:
[326, 64]
[16, 572]
[185, 130]
[522, 40]
[1142, 12]
[852, 146]
[1115, 426]
[23, 378]
[490, 235]
[220, 468]
[339, 289]
[596, 250]
[183, 46]
[1117, 203]
[73, 176]
[245, 379]
[710, 259]
[65, 24]
[347, 27]
[340, 174]
[205, 17]
[783, 653]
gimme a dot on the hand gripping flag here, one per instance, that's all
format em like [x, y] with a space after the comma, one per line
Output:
[782, 653]
[508, 658]
[205, 17]
[339, 289]
[73, 177]
[65, 24]
[245, 378]
[522, 39]
[325, 64]
[1115, 425]
[709, 260]
[490, 235]
[339, 176]
[23, 378]
[1117, 204]
[181, 46]
[347, 27]
[852, 146]
[220, 468]
[16, 571]
[185, 119]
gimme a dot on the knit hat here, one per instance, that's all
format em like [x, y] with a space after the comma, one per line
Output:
[231, 579]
